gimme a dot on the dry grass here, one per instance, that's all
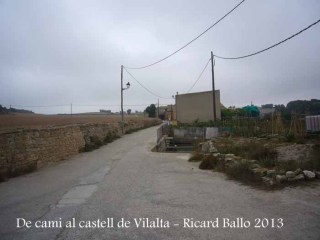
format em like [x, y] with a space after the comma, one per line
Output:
[209, 162]
[249, 149]
[15, 121]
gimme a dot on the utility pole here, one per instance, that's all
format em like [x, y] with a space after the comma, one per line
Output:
[71, 108]
[176, 101]
[122, 121]
[158, 107]
[213, 89]
[122, 89]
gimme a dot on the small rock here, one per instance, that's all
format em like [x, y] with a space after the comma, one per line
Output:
[292, 179]
[271, 173]
[205, 147]
[281, 178]
[317, 173]
[299, 177]
[298, 171]
[255, 165]
[268, 181]
[309, 175]
[229, 155]
[213, 150]
[260, 172]
[265, 179]
[228, 159]
[253, 161]
[271, 182]
[290, 174]
[216, 154]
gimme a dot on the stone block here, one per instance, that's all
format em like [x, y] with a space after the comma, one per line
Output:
[309, 175]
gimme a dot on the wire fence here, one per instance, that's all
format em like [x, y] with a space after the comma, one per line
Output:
[258, 127]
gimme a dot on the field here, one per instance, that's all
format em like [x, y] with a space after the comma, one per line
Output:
[18, 121]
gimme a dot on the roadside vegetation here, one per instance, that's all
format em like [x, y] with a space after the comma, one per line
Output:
[260, 161]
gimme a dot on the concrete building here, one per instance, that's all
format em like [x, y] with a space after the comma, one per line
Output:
[197, 106]
[266, 110]
[167, 112]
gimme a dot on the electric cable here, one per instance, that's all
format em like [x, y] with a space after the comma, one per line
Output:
[199, 76]
[184, 46]
[274, 45]
[144, 86]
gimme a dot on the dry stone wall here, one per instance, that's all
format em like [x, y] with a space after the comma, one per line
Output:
[25, 150]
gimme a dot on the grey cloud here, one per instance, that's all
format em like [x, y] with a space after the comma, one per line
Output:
[58, 52]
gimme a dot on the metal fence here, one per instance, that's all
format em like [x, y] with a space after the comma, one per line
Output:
[162, 130]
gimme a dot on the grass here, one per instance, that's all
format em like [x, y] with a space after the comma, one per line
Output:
[311, 164]
[266, 156]
[209, 162]
[242, 171]
[96, 143]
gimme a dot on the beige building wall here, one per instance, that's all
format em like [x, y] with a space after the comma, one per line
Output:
[192, 106]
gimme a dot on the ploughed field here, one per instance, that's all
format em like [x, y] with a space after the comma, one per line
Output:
[18, 121]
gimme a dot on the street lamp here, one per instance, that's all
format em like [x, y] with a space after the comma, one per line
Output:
[122, 89]
[128, 85]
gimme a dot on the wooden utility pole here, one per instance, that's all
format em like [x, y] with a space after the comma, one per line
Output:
[213, 89]
[158, 107]
[122, 121]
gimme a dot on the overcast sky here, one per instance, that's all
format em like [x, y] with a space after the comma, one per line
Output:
[62, 52]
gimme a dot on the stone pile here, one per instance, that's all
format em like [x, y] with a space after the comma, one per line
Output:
[268, 176]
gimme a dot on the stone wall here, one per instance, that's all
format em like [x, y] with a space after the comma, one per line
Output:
[25, 150]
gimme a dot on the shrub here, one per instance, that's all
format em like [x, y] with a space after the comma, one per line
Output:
[208, 162]
[289, 137]
[242, 171]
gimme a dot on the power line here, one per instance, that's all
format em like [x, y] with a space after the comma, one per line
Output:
[255, 53]
[190, 41]
[144, 86]
[199, 76]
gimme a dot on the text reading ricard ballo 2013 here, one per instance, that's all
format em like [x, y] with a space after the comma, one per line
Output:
[234, 223]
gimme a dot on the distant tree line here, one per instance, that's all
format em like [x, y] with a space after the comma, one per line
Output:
[4, 110]
[300, 107]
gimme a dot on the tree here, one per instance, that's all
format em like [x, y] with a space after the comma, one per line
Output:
[311, 107]
[129, 111]
[251, 111]
[151, 110]
[232, 112]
